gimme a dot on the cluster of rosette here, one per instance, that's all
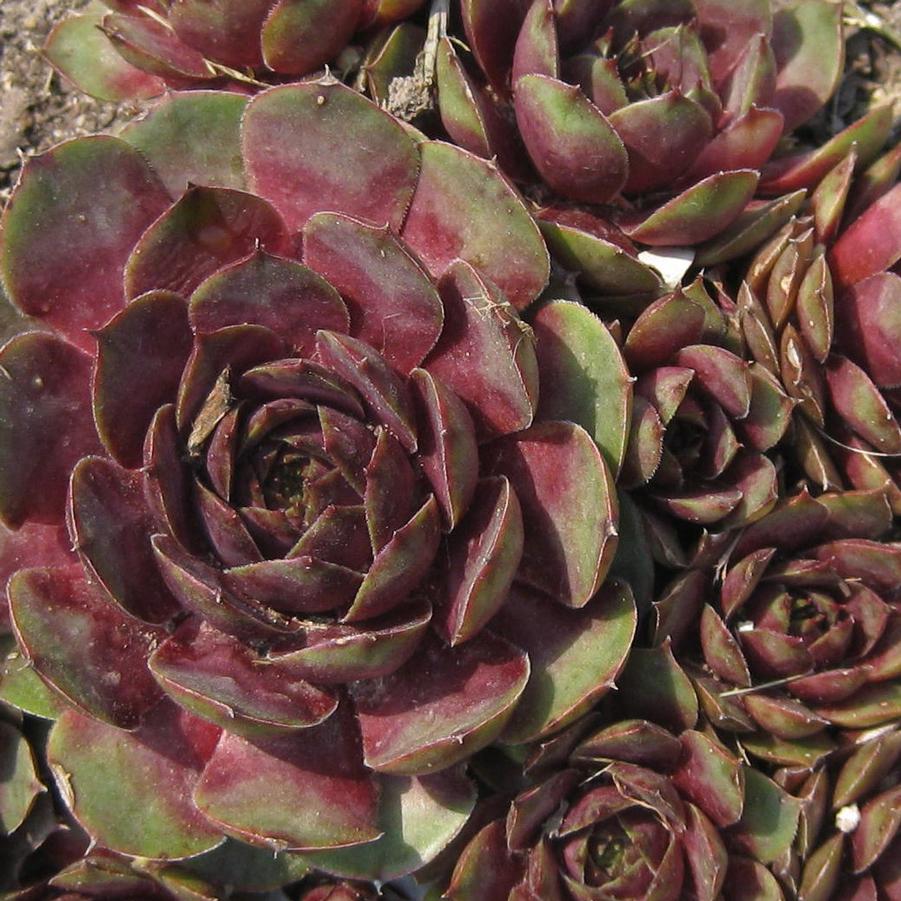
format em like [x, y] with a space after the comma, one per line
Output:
[291, 461]
[138, 50]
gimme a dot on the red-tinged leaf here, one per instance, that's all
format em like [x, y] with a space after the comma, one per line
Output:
[575, 655]
[602, 255]
[828, 687]
[800, 752]
[635, 741]
[774, 655]
[590, 163]
[447, 445]
[298, 157]
[747, 142]
[583, 376]
[45, 395]
[759, 222]
[533, 806]
[110, 525]
[390, 490]
[83, 55]
[783, 717]
[711, 777]
[721, 651]
[235, 348]
[221, 31]
[464, 209]
[752, 79]
[153, 329]
[106, 774]
[860, 404]
[756, 478]
[676, 610]
[644, 449]
[870, 244]
[705, 854]
[703, 506]
[296, 379]
[769, 416]
[485, 868]
[72, 277]
[808, 43]
[865, 769]
[152, 46]
[206, 229]
[872, 706]
[721, 374]
[222, 680]
[665, 387]
[198, 586]
[392, 302]
[192, 138]
[769, 820]
[743, 578]
[299, 36]
[491, 31]
[481, 325]
[794, 523]
[877, 565]
[441, 706]
[382, 390]
[875, 181]
[228, 537]
[569, 507]
[857, 514]
[483, 555]
[805, 169]
[748, 880]
[536, 52]
[662, 330]
[104, 672]
[338, 654]
[303, 791]
[400, 566]
[662, 136]
[871, 327]
[339, 535]
[419, 816]
[280, 294]
[655, 687]
[726, 28]
[697, 214]
[879, 822]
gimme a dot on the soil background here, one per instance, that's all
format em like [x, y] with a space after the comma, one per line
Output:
[38, 109]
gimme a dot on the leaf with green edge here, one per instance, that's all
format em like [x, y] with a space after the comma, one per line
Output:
[464, 208]
[769, 820]
[192, 137]
[654, 686]
[419, 816]
[82, 54]
[106, 774]
[295, 145]
[246, 868]
[569, 507]
[72, 277]
[576, 655]
[22, 687]
[711, 777]
[583, 376]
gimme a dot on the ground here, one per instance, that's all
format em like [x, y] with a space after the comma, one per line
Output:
[37, 109]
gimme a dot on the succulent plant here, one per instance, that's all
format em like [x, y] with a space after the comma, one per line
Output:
[678, 108]
[295, 492]
[139, 50]
[627, 809]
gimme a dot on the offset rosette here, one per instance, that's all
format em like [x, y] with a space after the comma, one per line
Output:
[703, 418]
[139, 50]
[629, 810]
[818, 311]
[805, 638]
[679, 110]
[288, 416]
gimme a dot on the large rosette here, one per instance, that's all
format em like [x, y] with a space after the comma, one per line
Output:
[287, 416]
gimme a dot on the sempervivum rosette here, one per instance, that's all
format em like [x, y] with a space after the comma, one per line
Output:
[629, 810]
[675, 107]
[818, 310]
[138, 50]
[702, 418]
[296, 492]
